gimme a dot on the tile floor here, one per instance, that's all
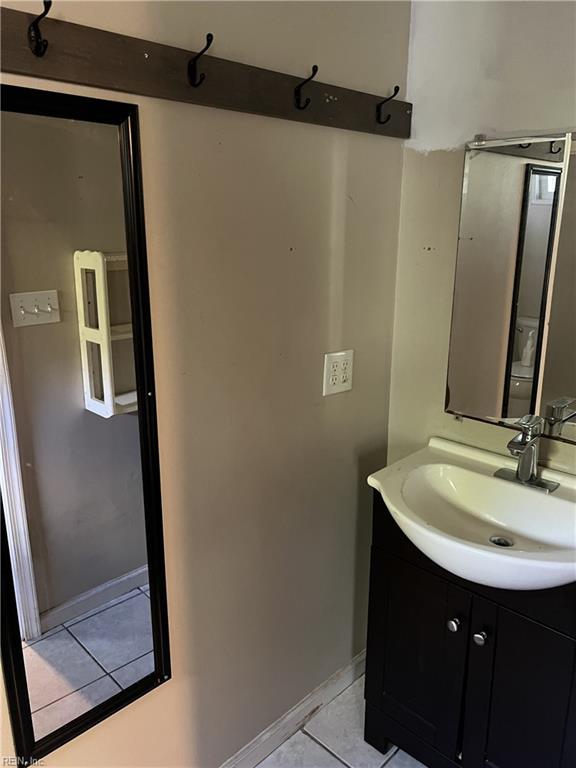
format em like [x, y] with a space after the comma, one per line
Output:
[85, 661]
[333, 738]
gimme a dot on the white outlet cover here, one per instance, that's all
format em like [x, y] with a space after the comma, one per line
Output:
[34, 308]
[338, 369]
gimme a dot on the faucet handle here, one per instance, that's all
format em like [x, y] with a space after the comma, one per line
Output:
[531, 426]
[556, 409]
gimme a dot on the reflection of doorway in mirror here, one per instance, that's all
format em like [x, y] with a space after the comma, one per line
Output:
[542, 192]
[534, 257]
[81, 473]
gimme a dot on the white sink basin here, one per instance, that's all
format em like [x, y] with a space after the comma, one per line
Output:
[482, 528]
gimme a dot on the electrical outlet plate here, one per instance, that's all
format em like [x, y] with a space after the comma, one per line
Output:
[34, 308]
[338, 367]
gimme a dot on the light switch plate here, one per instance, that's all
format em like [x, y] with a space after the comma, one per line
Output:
[34, 308]
[338, 367]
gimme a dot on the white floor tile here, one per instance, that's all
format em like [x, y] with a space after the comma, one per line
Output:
[402, 760]
[300, 751]
[340, 726]
[75, 704]
[118, 634]
[110, 603]
[134, 671]
[55, 667]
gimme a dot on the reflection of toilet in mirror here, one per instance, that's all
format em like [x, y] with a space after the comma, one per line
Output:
[522, 372]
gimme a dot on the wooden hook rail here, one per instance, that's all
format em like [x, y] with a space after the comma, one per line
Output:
[94, 57]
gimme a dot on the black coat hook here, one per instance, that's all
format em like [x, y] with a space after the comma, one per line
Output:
[193, 77]
[383, 120]
[298, 90]
[554, 151]
[36, 42]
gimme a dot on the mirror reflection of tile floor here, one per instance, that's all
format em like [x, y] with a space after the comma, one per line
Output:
[85, 661]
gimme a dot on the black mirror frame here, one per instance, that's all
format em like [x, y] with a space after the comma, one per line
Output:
[125, 117]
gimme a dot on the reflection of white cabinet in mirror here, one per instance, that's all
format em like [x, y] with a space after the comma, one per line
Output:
[105, 329]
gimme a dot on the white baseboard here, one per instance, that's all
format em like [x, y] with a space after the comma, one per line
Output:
[271, 738]
[94, 598]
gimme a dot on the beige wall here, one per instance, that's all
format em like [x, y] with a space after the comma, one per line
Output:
[427, 249]
[62, 191]
[270, 243]
[475, 67]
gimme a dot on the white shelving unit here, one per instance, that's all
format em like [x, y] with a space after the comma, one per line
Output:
[105, 329]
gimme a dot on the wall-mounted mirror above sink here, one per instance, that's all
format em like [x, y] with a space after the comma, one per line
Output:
[513, 340]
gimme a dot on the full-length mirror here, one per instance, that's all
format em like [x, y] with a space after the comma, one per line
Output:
[513, 340]
[80, 491]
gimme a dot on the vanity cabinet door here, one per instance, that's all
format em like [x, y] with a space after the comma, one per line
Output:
[531, 721]
[416, 662]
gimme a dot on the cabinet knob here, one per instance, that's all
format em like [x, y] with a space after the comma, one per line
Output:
[480, 638]
[453, 625]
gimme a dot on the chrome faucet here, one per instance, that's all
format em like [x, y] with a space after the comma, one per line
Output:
[558, 412]
[524, 446]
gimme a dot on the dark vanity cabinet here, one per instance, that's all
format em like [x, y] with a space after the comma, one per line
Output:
[459, 674]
